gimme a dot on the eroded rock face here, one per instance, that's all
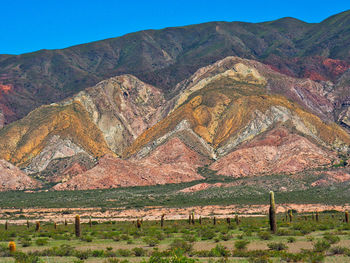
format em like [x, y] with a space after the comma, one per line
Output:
[172, 162]
[122, 108]
[62, 169]
[56, 148]
[12, 178]
[278, 152]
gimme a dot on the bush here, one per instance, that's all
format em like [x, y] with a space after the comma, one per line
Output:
[332, 239]
[277, 246]
[338, 250]
[241, 244]
[124, 252]
[182, 245]
[264, 235]
[41, 241]
[321, 246]
[291, 239]
[139, 252]
[151, 241]
[220, 251]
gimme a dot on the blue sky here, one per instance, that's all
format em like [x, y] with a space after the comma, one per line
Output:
[30, 25]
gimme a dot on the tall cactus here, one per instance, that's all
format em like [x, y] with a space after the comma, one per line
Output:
[192, 218]
[317, 216]
[90, 222]
[214, 221]
[290, 214]
[138, 223]
[200, 220]
[37, 226]
[346, 217]
[162, 220]
[6, 225]
[28, 224]
[272, 213]
[77, 226]
[237, 220]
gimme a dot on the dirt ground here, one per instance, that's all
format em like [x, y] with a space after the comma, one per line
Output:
[20, 216]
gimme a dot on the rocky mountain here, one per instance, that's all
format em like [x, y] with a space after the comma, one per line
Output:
[159, 107]
[237, 116]
[166, 57]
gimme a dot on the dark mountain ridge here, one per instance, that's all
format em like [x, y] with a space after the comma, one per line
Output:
[167, 56]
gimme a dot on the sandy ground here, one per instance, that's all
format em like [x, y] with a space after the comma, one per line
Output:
[58, 215]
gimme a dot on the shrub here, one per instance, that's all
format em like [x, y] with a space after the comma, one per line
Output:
[151, 241]
[241, 244]
[41, 241]
[277, 246]
[338, 250]
[264, 235]
[291, 239]
[321, 246]
[139, 251]
[182, 245]
[332, 239]
[124, 252]
[220, 251]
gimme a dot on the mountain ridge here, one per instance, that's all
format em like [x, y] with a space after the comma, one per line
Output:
[165, 57]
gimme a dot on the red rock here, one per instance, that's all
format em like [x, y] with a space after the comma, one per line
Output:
[173, 162]
[12, 178]
[277, 152]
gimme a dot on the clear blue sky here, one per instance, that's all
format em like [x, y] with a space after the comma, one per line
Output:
[30, 25]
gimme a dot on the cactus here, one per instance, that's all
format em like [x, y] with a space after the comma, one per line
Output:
[27, 224]
[90, 222]
[272, 213]
[317, 217]
[290, 214]
[162, 220]
[77, 226]
[192, 218]
[313, 216]
[55, 225]
[12, 246]
[200, 220]
[214, 221]
[346, 217]
[228, 220]
[189, 219]
[37, 226]
[6, 225]
[65, 222]
[237, 220]
[138, 223]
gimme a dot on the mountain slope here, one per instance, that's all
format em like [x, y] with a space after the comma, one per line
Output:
[166, 57]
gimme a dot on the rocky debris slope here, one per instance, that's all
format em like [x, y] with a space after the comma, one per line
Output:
[12, 178]
[172, 162]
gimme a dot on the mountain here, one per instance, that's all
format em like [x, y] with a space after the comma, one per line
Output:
[166, 57]
[237, 117]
